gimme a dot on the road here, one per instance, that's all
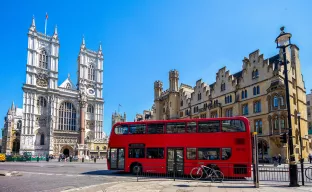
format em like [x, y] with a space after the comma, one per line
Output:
[59, 176]
[55, 176]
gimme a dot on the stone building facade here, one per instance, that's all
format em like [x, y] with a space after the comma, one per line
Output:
[257, 91]
[309, 110]
[56, 118]
[11, 131]
[117, 117]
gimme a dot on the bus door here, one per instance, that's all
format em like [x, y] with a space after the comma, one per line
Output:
[175, 157]
[117, 158]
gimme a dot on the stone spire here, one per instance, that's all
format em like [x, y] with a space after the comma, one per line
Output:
[55, 35]
[13, 106]
[33, 24]
[100, 48]
[83, 44]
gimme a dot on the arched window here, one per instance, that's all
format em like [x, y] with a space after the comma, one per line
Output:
[91, 74]
[243, 95]
[255, 73]
[97, 148]
[90, 108]
[43, 59]
[246, 94]
[254, 90]
[281, 100]
[258, 90]
[41, 102]
[42, 139]
[276, 123]
[275, 101]
[19, 124]
[283, 126]
[67, 117]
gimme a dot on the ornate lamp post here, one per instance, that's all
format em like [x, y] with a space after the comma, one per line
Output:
[282, 42]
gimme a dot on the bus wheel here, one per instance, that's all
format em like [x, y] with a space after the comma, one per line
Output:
[136, 169]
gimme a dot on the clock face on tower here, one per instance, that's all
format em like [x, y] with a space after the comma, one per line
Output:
[90, 91]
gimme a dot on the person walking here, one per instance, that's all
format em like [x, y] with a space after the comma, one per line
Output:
[279, 159]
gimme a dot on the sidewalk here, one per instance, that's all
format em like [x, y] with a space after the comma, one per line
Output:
[187, 186]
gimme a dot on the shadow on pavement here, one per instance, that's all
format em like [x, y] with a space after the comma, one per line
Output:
[108, 172]
[232, 186]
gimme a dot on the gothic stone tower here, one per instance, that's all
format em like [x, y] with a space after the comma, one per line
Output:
[174, 94]
[158, 88]
[90, 82]
[41, 79]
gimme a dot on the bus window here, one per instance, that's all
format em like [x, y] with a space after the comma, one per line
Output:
[208, 153]
[191, 153]
[175, 127]
[137, 129]
[136, 151]
[191, 127]
[233, 126]
[121, 129]
[155, 153]
[226, 153]
[155, 128]
[208, 126]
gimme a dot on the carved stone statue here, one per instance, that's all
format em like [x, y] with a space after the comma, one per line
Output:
[82, 97]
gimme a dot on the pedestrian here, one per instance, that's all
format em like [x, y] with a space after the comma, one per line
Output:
[310, 157]
[279, 159]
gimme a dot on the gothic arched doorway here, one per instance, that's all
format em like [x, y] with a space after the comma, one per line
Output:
[16, 146]
[66, 152]
[263, 147]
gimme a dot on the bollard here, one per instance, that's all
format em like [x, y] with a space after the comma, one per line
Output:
[70, 159]
[94, 160]
[37, 158]
[82, 160]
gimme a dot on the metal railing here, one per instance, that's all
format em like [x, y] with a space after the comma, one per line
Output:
[232, 173]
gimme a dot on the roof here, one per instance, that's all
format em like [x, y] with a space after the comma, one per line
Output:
[274, 59]
[238, 74]
[68, 84]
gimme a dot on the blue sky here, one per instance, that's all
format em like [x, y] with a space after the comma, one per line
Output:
[143, 40]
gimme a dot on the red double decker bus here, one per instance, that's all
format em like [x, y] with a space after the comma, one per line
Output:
[156, 146]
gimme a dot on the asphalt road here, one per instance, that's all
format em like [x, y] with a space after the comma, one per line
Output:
[55, 176]
[59, 176]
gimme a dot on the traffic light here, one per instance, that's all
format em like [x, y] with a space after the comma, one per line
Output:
[283, 138]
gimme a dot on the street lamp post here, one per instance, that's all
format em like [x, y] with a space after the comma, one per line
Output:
[301, 156]
[282, 42]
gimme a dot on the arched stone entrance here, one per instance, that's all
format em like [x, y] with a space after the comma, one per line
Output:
[67, 150]
[16, 146]
[263, 147]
